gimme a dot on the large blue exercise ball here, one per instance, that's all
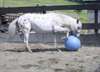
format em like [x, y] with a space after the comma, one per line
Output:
[72, 43]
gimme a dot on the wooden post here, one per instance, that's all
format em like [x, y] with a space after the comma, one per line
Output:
[1, 19]
[96, 21]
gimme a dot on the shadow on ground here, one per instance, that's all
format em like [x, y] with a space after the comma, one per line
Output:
[40, 50]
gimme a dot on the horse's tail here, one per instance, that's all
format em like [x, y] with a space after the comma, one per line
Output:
[12, 28]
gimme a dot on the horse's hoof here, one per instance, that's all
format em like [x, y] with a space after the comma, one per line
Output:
[29, 49]
[63, 38]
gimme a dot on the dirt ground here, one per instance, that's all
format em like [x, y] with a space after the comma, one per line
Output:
[46, 58]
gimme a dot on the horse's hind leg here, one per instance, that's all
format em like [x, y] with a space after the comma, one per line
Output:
[26, 38]
[26, 30]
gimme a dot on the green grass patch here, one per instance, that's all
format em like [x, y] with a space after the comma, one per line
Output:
[18, 3]
[83, 16]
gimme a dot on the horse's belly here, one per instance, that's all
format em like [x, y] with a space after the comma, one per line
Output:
[42, 25]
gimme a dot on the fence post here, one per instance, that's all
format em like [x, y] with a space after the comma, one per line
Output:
[1, 19]
[96, 21]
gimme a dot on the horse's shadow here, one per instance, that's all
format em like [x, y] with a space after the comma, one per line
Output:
[41, 50]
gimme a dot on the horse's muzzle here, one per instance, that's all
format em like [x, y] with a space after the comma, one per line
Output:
[75, 33]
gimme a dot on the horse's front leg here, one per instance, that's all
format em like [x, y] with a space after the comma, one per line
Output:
[67, 34]
[62, 29]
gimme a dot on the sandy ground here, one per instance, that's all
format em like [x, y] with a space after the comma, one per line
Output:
[46, 58]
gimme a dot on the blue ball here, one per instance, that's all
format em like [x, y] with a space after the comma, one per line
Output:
[72, 43]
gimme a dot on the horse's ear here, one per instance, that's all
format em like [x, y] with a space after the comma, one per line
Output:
[77, 21]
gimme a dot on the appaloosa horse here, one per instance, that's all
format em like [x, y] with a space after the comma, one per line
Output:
[43, 23]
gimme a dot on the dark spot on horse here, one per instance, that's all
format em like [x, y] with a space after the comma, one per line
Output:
[78, 28]
[77, 21]
[24, 19]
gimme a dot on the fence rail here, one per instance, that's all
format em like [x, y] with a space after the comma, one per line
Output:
[49, 8]
[90, 26]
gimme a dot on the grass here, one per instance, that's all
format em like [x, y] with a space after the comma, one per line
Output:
[83, 16]
[22, 3]
[18, 3]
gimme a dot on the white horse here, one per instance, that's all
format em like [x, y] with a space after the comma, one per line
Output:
[39, 23]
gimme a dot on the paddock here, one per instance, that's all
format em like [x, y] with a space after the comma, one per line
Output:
[45, 57]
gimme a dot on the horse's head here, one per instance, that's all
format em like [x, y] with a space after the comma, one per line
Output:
[76, 28]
